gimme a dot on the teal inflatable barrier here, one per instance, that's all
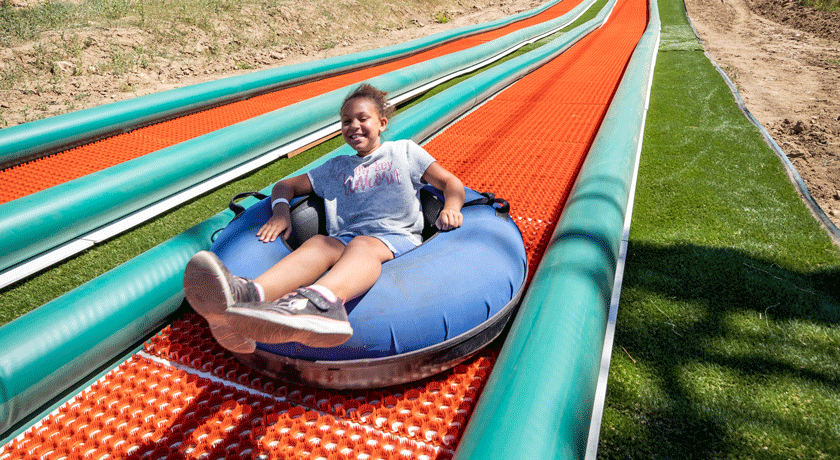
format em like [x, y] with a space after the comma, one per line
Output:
[538, 400]
[41, 221]
[51, 348]
[38, 138]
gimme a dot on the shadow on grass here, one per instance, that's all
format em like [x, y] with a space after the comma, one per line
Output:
[719, 354]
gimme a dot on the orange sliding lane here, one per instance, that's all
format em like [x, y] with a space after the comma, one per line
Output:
[184, 397]
[28, 178]
[527, 144]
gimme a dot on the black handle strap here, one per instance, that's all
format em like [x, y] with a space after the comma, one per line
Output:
[487, 198]
[238, 209]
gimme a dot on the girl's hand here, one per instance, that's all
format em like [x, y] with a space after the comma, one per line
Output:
[453, 193]
[449, 219]
[276, 226]
[281, 221]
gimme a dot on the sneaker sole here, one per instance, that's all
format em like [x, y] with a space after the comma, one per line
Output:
[310, 330]
[232, 340]
[205, 288]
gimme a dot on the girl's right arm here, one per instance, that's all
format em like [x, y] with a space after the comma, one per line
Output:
[280, 222]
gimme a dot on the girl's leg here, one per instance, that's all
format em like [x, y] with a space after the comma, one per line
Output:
[302, 267]
[357, 268]
[307, 317]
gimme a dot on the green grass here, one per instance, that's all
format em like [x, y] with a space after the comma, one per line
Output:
[727, 343]
[442, 17]
[27, 23]
[826, 5]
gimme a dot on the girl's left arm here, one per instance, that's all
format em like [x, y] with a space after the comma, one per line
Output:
[453, 192]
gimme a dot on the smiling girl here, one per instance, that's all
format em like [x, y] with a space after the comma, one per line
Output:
[373, 215]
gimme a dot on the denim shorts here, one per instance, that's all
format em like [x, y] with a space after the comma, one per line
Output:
[398, 244]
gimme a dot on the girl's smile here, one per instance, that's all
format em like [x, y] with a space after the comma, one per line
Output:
[362, 125]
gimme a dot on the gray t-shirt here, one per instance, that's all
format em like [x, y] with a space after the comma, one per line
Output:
[376, 194]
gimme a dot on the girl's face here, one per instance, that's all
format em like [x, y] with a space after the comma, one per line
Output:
[362, 125]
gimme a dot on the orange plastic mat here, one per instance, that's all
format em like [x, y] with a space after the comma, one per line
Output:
[184, 397]
[28, 178]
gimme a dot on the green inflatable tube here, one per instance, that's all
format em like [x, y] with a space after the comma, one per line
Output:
[59, 343]
[38, 138]
[51, 348]
[46, 219]
[538, 400]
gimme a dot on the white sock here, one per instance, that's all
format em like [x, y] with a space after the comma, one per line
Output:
[328, 294]
[260, 290]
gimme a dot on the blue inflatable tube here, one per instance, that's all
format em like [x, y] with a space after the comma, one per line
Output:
[427, 312]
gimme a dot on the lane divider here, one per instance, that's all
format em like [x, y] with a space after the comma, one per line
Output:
[538, 402]
[646, 51]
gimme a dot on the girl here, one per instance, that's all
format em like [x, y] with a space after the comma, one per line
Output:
[373, 215]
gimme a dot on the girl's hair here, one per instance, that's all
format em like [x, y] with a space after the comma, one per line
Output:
[374, 95]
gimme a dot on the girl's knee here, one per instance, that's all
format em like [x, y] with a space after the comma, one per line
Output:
[322, 247]
[370, 246]
[322, 241]
[362, 241]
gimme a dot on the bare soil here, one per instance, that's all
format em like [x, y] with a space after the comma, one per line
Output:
[784, 58]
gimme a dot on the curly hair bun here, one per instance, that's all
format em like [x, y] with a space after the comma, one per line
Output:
[373, 94]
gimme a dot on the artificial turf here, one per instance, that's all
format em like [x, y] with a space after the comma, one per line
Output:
[727, 343]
